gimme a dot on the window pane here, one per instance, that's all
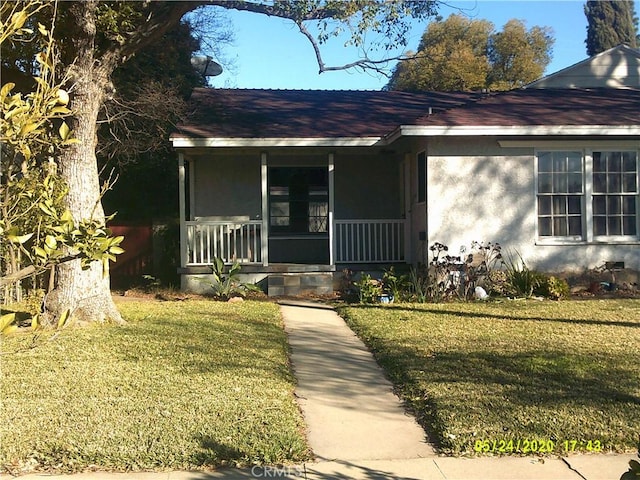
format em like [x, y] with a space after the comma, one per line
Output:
[614, 226]
[575, 183]
[560, 226]
[575, 226]
[629, 183]
[574, 205]
[615, 161]
[544, 226]
[544, 206]
[559, 183]
[544, 183]
[280, 209]
[559, 205]
[544, 162]
[600, 205]
[599, 225]
[599, 183]
[613, 183]
[629, 225]
[575, 162]
[599, 163]
[629, 162]
[613, 205]
[560, 162]
[629, 205]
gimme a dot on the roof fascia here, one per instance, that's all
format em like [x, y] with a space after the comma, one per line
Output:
[534, 130]
[186, 142]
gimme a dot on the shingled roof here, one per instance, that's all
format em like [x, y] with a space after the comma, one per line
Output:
[531, 107]
[240, 113]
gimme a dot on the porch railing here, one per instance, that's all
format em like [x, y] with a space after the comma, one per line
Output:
[230, 241]
[369, 241]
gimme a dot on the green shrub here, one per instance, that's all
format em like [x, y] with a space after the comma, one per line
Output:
[522, 281]
[369, 289]
[554, 288]
[226, 285]
[396, 285]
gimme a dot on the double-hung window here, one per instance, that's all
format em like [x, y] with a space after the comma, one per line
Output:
[590, 195]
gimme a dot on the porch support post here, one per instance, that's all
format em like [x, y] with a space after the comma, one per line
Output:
[183, 210]
[264, 229]
[331, 210]
[408, 207]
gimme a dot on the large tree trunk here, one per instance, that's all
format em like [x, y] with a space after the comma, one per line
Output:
[85, 293]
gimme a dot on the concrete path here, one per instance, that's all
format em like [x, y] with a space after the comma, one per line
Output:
[349, 407]
[358, 429]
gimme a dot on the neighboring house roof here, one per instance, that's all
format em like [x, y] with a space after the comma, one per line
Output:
[618, 67]
[239, 113]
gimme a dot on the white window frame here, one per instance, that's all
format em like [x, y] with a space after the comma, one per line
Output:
[587, 199]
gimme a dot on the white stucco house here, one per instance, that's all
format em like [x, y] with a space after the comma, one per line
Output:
[299, 184]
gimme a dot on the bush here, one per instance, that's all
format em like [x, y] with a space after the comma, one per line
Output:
[553, 288]
[369, 289]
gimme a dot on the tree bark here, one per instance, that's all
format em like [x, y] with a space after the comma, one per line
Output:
[85, 293]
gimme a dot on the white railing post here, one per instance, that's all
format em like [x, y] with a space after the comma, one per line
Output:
[184, 244]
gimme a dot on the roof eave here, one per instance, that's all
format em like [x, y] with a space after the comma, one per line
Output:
[533, 130]
[222, 142]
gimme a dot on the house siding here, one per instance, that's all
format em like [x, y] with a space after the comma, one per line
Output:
[502, 206]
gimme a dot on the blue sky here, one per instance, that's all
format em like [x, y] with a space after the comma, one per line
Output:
[271, 53]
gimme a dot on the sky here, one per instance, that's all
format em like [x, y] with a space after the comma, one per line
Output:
[271, 53]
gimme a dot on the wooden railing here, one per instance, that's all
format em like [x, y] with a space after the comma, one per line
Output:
[369, 241]
[230, 241]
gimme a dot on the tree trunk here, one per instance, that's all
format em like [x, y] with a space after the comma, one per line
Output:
[85, 293]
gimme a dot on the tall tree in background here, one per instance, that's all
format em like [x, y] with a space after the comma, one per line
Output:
[461, 54]
[452, 55]
[97, 37]
[610, 23]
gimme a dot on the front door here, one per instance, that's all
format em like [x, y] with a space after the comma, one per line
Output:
[298, 215]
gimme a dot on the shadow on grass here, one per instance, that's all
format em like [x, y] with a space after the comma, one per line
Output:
[215, 454]
[464, 314]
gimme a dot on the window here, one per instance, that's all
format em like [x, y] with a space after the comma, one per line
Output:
[422, 177]
[298, 200]
[587, 196]
[615, 193]
[560, 193]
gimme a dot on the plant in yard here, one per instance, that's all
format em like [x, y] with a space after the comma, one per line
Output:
[554, 288]
[369, 289]
[523, 281]
[395, 284]
[226, 284]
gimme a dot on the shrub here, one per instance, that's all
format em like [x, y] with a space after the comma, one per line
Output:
[554, 288]
[369, 289]
[226, 285]
[522, 281]
[395, 285]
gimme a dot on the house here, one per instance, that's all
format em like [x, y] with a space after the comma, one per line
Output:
[297, 185]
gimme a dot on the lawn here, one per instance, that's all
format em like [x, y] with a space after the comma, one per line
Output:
[513, 377]
[184, 385]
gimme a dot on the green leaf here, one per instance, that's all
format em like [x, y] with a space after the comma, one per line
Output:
[116, 250]
[64, 131]
[64, 318]
[6, 321]
[40, 252]
[21, 239]
[50, 241]
[35, 321]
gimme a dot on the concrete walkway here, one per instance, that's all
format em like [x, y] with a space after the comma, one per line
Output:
[358, 429]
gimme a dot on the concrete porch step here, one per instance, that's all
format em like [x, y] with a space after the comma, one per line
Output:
[300, 283]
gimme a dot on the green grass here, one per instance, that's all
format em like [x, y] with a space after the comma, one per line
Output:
[515, 370]
[184, 385]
